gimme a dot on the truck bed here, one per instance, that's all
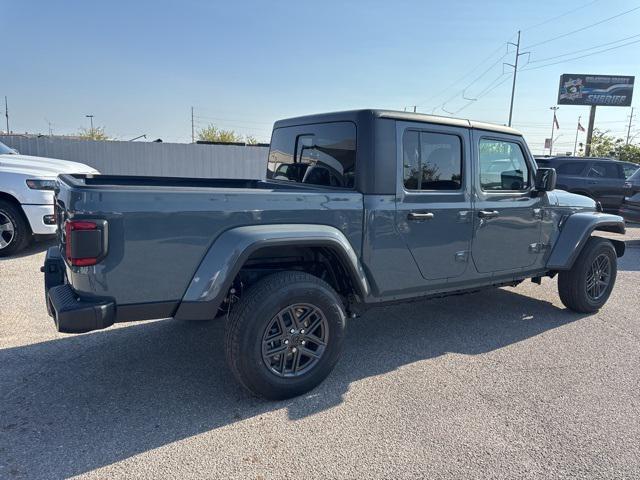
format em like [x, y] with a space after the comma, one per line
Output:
[159, 229]
[132, 181]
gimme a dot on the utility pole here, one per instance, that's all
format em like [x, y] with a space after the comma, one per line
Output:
[193, 131]
[592, 120]
[91, 118]
[629, 127]
[553, 127]
[515, 73]
[6, 112]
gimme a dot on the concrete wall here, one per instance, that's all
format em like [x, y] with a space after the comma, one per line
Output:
[147, 158]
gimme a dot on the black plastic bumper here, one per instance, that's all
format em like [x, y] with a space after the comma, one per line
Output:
[71, 313]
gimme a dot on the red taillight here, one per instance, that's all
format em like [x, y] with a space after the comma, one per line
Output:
[74, 226]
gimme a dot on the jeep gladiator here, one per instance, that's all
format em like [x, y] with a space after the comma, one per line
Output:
[359, 208]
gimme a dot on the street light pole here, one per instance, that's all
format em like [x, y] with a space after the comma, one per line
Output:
[6, 112]
[91, 118]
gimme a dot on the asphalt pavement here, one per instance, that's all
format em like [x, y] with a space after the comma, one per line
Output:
[503, 383]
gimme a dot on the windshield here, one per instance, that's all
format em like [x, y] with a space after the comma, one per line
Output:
[4, 150]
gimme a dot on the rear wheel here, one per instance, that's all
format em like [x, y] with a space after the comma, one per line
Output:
[15, 234]
[587, 286]
[285, 335]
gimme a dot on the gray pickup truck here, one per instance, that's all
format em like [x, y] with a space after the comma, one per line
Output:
[359, 208]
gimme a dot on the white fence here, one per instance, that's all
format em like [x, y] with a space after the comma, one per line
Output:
[148, 158]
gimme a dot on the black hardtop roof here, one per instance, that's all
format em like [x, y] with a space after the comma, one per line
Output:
[358, 115]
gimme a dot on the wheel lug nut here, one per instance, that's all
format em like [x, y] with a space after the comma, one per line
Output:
[302, 332]
[292, 330]
[302, 342]
[294, 349]
[286, 342]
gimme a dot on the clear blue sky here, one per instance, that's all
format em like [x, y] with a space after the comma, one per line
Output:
[139, 66]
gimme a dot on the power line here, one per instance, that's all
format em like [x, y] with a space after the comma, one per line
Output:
[582, 56]
[490, 88]
[423, 103]
[469, 85]
[584, 49]
[583, 28]
[232, 120]
[559, 16]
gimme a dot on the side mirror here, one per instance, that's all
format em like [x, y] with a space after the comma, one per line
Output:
[546, 179]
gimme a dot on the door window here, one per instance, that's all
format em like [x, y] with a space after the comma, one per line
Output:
[604, 170]
[571, 168]
[629, 169]
[502, 166]
[432, 161]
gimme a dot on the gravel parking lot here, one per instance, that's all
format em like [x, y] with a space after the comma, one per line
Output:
[504, 383]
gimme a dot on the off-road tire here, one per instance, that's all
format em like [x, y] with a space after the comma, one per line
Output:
[21, 231]
[572, 284]
[256, 309]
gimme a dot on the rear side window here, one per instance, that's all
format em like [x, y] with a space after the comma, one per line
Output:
[571, 168]
[604, 170]
[319, 154]
[432, 161]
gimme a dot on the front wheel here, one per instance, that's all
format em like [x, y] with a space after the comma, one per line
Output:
[15, 234]
[587, 286]
[285, 335]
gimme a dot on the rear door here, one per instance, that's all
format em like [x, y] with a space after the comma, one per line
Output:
[507, 216]
[433, 208]
[606, 181]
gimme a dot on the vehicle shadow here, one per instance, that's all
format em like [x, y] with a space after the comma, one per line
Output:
[34, 248]
[630, 262]
[72, 405]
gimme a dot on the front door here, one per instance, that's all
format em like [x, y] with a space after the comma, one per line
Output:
[507, 213]
[433, 212]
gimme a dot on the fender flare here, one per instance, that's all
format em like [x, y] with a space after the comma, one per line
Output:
[225, 257]
[576, 230]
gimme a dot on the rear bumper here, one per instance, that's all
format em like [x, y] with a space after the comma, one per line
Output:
[70, 312]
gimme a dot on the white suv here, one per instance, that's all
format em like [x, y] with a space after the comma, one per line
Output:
[26, 196]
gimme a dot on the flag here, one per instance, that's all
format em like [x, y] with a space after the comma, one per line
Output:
[580, 127]
[555, 120]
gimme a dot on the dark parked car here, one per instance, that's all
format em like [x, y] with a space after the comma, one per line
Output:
[630, 208]
[602, 179]
[364, 208]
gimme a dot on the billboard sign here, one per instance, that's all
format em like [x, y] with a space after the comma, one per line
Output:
[605, 90]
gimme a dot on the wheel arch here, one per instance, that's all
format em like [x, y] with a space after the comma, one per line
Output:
[11, 199]
[7, 197]
[237, 247]
[576, 229]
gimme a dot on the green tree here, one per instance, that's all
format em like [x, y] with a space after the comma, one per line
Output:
[211, 133]
[605, 145]
[250, 140]
[96, 133]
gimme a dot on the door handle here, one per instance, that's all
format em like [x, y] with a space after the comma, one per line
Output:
[420, 216]
[488, 213]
